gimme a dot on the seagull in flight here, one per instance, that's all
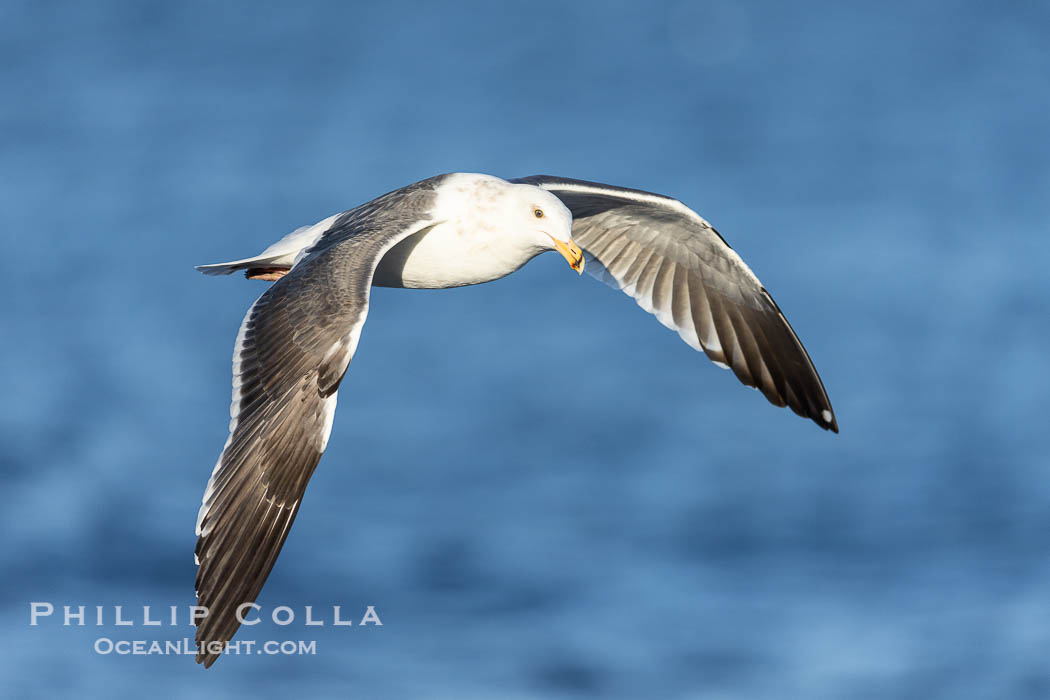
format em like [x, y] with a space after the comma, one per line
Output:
[298, 338]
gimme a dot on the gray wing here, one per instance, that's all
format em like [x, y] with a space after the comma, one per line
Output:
[292, 350]
[677, 267]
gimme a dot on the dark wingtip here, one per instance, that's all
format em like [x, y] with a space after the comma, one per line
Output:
[204, 657]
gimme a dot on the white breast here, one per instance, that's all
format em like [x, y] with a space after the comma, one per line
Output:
[447, 256]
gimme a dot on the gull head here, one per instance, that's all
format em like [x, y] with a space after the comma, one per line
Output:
[538, 214]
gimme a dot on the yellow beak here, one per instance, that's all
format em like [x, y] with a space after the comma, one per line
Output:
[571, 252]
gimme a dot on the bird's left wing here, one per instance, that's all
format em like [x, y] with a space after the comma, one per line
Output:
[292, 350]
[677, 267]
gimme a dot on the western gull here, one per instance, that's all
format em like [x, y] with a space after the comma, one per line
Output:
[298, 338]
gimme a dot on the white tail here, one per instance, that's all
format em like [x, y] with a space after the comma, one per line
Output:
[278, 258]
[248, 264]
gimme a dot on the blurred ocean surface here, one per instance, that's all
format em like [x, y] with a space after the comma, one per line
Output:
[542, 491]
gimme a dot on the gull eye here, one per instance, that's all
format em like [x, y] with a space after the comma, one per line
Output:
[538, 212]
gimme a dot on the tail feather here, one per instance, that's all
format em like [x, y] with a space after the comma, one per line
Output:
[267, 264]
[276, 260]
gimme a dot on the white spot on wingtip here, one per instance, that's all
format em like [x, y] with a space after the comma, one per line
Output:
[723, 365]
[826, 415]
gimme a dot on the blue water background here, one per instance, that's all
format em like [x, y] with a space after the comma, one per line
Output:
[543, 492]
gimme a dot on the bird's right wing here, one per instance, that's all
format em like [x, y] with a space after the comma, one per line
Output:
[677, 267]
[292, 350]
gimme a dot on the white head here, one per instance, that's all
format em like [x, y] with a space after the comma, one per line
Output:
[507, 222]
